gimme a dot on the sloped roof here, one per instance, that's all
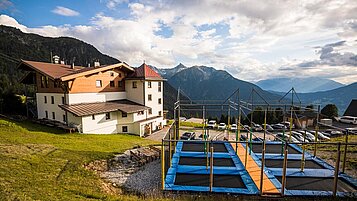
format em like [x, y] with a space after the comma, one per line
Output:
[54, 71]
[85, 109]
[66, 72]
[145, 72]
[351, 109]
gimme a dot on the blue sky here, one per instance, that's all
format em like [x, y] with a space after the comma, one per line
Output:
[252, 40]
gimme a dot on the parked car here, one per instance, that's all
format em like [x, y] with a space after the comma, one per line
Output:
[201, 137]
[287, 124]
[212, 124]
[321, 136]
[188, 136]
[268, 127]
[286, 137]
[257, 127]
[279, 126]
[222, 126]
[348, 120]
[298, 136]
[246, 127]
[234, 127]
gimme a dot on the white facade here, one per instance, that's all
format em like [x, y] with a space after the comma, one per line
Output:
[94, 97]
[45, 105]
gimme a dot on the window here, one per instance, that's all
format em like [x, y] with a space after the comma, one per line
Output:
[125, 129]
[53, 115]
[150, 111]
[62, 99]
[57, 84]
[120, 83]
[150, 97]
[46, 114]
[112, 84]
[140, 112]
[52, 100]
[135, 84]
[124, 114]
[159, 86]
[64, 118]
[45, 99]
[107, 115]
[159, 101]
[44, 82]
[111, 74]
[159, 113]
[149, 84]
[93, 117]
[119, 74]
[98, 83]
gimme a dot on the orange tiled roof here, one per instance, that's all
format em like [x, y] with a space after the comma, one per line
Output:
[145, 72]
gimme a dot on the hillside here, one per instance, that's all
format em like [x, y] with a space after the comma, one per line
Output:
[341, 97]
[302, 85]
[16, 45]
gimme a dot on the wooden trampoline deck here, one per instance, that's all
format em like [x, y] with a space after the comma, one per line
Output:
[254, 171]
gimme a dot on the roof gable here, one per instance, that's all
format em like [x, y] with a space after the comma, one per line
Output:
[351, 109]
[145, 72]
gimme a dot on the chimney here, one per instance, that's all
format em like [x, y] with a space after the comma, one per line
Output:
[72, 66]
[56, 59]
[96, 63]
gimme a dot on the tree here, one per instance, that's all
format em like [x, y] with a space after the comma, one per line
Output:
[330, 111]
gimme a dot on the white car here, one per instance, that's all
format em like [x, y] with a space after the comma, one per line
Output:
[211, 124]
[234, 127]
[222, 126]
[348, 120]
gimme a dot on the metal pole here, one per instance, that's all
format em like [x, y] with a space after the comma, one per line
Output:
[207, 159]
[282, 144]
[211, 171]
[262, 170]
[317, 130]
[163, 165]
[170, 146]
[303, 155]
[246, 154]
[345, 153]
[285, 164]
[337, 167]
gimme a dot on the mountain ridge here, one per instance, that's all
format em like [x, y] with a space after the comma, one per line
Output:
[303, 85]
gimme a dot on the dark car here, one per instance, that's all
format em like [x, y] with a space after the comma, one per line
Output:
[188, 136]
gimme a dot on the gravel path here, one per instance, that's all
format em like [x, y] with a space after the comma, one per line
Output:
[146, 181]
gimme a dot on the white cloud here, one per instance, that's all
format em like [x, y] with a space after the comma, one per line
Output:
[60, 10]
[258, 39]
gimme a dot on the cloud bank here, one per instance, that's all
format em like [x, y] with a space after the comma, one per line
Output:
[273, 38]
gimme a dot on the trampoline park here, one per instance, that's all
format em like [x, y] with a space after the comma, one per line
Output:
[260, 168]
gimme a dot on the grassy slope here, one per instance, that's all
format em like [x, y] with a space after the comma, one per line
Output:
[49, 165]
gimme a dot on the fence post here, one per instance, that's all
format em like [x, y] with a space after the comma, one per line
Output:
[285, 164]
[345, 153]
[303, 154]
[262, 169]
[163, 165]
[337, 167]
[211, 171]
[246, 154]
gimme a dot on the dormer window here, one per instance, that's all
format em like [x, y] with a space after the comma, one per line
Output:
[98, 83]
[111, 74]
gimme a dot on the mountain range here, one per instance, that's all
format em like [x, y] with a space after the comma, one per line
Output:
[302, 85]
